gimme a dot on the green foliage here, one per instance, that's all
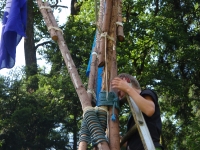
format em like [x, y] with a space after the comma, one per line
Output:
[163, 54]
[161, 48]
[30, 120]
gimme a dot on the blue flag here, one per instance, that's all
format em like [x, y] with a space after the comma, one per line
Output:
[13, 29]
[99, 72]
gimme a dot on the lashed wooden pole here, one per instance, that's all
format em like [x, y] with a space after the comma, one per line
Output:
[113, 126]
[120, 31]
[104, 31]
[44, 8]
[91, 90]
[50, 20]
[83, 96]
[94, 62]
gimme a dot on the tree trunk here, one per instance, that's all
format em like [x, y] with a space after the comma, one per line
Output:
[75, 130]
[30, 51]
[75, 8]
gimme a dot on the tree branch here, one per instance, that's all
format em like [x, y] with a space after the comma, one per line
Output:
[52, 6]
[56, 5]
[41, 44]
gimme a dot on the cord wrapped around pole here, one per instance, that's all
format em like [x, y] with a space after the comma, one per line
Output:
[93, 128]
[93, 125]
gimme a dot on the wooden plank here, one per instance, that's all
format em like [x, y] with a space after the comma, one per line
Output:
[141, 125]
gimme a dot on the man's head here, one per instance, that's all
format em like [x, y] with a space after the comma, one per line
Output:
[130, 79]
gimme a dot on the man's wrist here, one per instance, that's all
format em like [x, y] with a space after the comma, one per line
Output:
[128, 90]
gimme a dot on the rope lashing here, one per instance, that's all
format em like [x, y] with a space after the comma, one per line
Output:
[105, 35]
[97, 134]
[51, 27]
[45, 7]
[95, 119]
[119, 23]
[102, 115]
[106, 69]
[112, 100]
[93, 125]
[95, 53]
[93, 93]
[55, 28]
[84, 133]
[115, 105]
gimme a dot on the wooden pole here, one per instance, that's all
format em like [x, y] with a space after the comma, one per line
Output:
[120, 31]
[93, 67]
[104, 31]
[114, 138]
[67, 58]
[43, 9]
[92, 77]
[128, 135]
[83, 96]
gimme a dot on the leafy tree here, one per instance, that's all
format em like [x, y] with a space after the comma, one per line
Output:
[161, 49]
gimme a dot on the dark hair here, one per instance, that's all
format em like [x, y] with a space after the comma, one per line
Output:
[132, 80]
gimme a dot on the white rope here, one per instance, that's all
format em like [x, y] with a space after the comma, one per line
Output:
[45, 7]
[119, 23]
[55, 28]
[86, 109]
[95, 53]
[94, 108]
[105, 35]
[93, 93]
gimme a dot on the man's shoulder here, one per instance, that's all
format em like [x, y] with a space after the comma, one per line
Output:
[149, 92]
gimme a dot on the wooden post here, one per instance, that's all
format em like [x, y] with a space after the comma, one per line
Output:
[43, 10]
[92, 77]
[114, 125]
[114, 139]
[67, 58]
[104, 31]
[93, 67]
[120, 31]
[128, 135]
[83, 96]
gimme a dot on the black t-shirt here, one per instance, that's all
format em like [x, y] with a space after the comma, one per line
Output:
[154, 125]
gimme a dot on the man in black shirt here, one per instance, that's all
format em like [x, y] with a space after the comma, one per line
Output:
[147, 102]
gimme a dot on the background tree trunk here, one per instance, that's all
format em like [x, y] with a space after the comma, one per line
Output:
[75, 8]
[29, 49]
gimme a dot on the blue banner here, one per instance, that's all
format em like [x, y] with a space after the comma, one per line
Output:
[13, 29]
[99, 72]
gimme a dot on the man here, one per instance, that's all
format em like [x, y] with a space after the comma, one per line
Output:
[147, 102]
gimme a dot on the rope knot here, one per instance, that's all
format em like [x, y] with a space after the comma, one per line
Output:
[115, 100]
[111, 100]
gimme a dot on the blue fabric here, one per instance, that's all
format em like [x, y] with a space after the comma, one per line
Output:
[89, 63]
[99, 83]
[13, 29]
[99, 71]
